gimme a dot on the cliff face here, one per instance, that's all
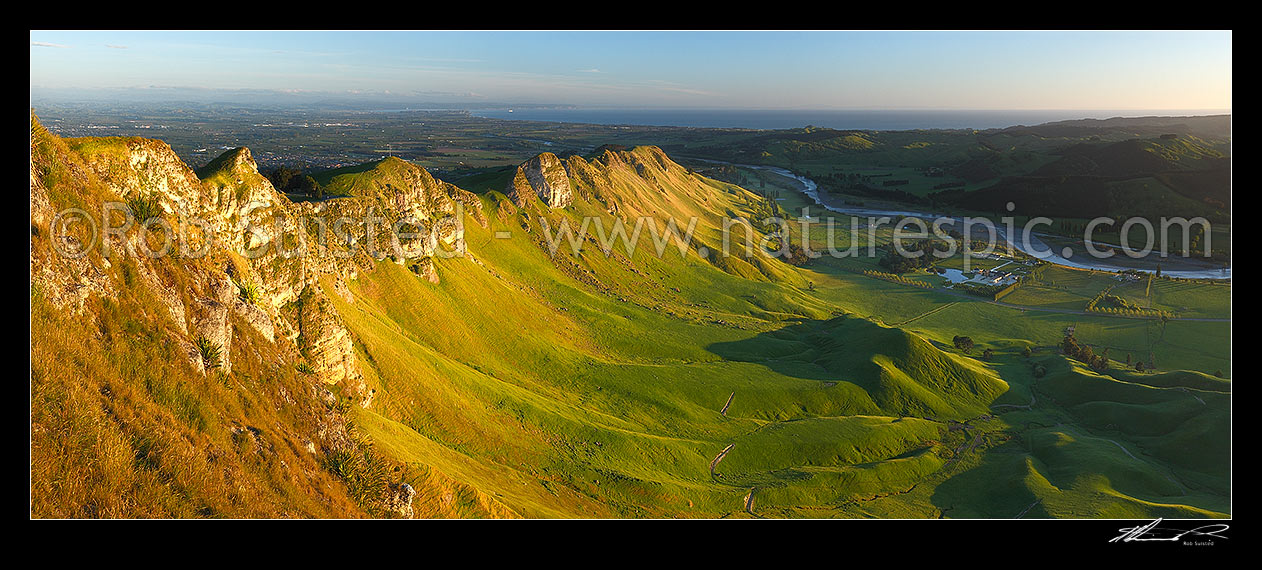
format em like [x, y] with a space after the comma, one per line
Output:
[136, 167]
[70, 279]
[266, 253]
[429, 213]
[326, 344]
[240, 295]
[608, 177]
[170, 384]
[544, 177]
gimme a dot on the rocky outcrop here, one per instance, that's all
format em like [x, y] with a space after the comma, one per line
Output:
[257, 318]
[209, 323]
[263, 321]
[556, 182]
[647, 162]
[428, 213]
[260, 239]
[227, 202]
[324, 340]
[544, 177]
[255, 221]
[64, 269]
[136, 167]
[234, 181]
[399, 500]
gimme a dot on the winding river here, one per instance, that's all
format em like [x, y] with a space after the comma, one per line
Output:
[1035, 248]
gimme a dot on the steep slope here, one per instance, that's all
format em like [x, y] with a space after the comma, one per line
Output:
[429, 213]
[129, 417]
[639, 208]
[209, 378]
[674, 392]
[621, 384]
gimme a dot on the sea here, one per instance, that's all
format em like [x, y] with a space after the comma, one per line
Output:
[872, 120]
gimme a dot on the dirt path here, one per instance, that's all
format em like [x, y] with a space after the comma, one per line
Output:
[749, 501]
[1189, 392]
[729, 403]
[719, 458]
[1027, 509]
[1033, 400]
[962, 449]
[1159, 468]
[925, 314]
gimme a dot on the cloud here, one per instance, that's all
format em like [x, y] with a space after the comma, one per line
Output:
[460, 94]
[663, 85]
[450, 59]
[112, 46]
[46, 44]
[688, 91]
[592, 70]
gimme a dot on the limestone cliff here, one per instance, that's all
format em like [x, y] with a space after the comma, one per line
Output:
[429, 213]
[324, 340]
[267, 251]
[169, 385]
[544, 177]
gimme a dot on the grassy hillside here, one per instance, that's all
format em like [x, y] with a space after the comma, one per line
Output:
[528, 382]
[609, 386]
[121, 424]
[1082, 169]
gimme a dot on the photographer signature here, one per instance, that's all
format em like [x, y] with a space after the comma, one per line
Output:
[1150, 533]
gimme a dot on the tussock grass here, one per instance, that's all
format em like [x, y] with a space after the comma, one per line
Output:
[144, 208]
[248, 292]
[212, 353]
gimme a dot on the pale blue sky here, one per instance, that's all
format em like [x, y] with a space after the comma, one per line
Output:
[768, 70]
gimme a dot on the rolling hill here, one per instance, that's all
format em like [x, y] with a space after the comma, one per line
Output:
[484, 368]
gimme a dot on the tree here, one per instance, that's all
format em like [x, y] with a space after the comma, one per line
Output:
[293, 181]
[797, 255]
[963, 343]
[1027, 352]
[1086, 354]
[1069, 346]
[312, 188]
[988, 354]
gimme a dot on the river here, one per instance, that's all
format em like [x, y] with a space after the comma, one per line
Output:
[1035, 248]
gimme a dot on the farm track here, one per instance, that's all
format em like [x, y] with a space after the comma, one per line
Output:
[926, 313]
[719, 458]
[1189, 392]
[1160, 468]
[1027, 509]
[961, 450]
[1034, 398]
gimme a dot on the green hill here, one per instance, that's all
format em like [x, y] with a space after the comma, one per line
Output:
[515, 377]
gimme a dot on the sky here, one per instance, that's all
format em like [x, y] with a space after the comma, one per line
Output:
[719, 70]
